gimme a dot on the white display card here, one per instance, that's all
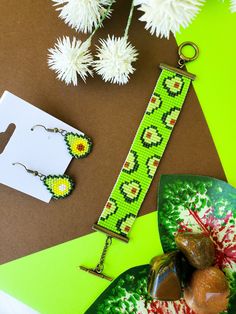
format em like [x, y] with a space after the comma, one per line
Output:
[38, 150]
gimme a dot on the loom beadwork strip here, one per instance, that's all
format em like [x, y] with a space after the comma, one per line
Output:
[146, 151]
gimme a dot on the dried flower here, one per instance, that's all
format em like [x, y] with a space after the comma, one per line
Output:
[70, 59]
[233, 6]
[165, 16]
[115, 58]
[83, 15]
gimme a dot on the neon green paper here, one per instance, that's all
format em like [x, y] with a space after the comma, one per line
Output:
[48, 281]
[214, 32]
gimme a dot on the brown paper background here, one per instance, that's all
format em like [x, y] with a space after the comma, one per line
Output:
[110, 114]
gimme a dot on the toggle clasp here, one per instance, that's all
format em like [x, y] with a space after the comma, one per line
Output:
[97, 271]
[184, 59]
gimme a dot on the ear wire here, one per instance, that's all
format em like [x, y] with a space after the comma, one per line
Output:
[54, 130]
[39, 125]
[20, 164]
[35, 173]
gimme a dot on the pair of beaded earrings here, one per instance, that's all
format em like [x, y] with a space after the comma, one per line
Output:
[79, 146]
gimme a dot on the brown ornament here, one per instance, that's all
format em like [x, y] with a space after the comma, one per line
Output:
[197, 247]
[164, 282]
[208, 291]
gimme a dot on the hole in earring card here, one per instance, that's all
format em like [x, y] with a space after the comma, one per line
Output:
[6, 136]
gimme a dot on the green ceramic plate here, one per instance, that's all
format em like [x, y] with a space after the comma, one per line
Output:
[186, 203]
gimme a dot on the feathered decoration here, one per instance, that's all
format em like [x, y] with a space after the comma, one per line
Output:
[82, 15]
[114, 59]
[70, 59]
[163, 17]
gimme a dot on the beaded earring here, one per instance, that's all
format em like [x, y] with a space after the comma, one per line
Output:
[60, 186]
[78, 145]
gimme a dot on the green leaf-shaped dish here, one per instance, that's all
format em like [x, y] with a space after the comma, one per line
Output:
[186, 203]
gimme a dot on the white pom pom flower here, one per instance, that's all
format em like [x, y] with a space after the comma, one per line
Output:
[82, 15]
[70, 59]
[233, 6]
[114, 60]
[165, 16]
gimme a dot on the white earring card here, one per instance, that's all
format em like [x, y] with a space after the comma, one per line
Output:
[38, 150]
[9, 305]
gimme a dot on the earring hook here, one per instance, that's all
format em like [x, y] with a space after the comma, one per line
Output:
[18, 163]
[54, 130]
[35, 173]
[39, 125]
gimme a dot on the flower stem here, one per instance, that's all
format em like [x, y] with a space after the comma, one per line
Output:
[105, 14]
[129, 19]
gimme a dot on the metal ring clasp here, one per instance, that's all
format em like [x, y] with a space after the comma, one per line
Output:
[184, 59]
[97, 271]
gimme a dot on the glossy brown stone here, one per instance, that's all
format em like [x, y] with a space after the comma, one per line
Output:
[208, 291]
[197, 247]
[164, 281]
